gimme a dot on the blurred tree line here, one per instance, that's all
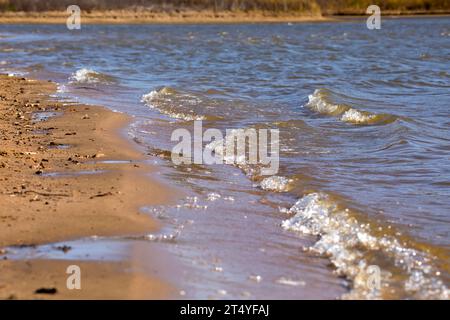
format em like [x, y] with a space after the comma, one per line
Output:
[360, 6]
[326, 6]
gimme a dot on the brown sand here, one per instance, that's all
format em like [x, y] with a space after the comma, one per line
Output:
[37, 207]
[100, 280]
[147, 16]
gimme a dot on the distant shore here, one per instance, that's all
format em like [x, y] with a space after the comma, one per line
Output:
[192, 16]
[150, 17]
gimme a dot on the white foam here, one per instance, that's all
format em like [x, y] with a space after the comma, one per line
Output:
[191, 203]
[320, 101]
[85, 76]
[89, 76]
[16, 73]
[61, 88]
[161, 101]
[150, 96]
[170, 237]
[213, 196]
[317, 103]
[356, 116]
[242, 161]
[291, 282]
[276, 183]
[348, 244]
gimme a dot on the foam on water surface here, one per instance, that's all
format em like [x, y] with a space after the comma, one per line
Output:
[173, 104]
[321, 101]
[276, 183]
[353, 246]
[89, 76]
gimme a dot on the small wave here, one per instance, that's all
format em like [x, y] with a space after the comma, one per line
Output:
[321, 101]
[353, 246]
[254, 171]
[15, 73]
[173, 104]
[88, 76]
[61, 88]
[291, 282]
[211, 104]
[9, 50]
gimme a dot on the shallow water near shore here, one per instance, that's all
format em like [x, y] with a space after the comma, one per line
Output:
[364, 146]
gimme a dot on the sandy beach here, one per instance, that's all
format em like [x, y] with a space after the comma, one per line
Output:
[199, 17]
[57, 184]
[159, 17]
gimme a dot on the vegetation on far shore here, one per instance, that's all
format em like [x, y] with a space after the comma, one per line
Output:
[326, 7]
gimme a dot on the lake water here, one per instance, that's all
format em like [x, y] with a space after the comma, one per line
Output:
[364, 179]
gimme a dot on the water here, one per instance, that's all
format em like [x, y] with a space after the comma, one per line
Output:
[364, 146]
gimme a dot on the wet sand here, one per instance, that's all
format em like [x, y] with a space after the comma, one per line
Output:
[56, 184]
[100, 280]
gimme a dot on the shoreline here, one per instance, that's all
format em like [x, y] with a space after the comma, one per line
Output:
[158, 17]
[196, 17]
[57, 185]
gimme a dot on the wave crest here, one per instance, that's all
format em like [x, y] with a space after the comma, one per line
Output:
[89, 76]
[321, 102]
[276, 183]
[353, 246]
[173, 104]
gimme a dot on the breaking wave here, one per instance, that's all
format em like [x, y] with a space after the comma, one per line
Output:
[353, 246]
[321, 101]
[88, 76]
[174, 104]
[276, 183]
[255, 170]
